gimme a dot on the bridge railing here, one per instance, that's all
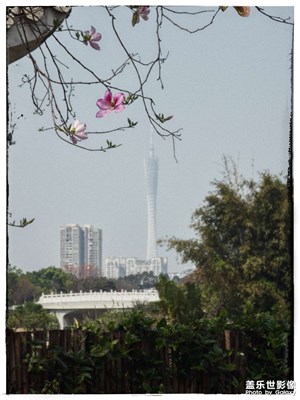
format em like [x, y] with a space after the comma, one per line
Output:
[134, 295]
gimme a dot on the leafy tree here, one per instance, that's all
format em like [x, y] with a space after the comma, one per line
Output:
[51, 279]
[242, 245]
[13, 275]
[19, 287]
[144, 280]
[179, 302]
[31, 316]
[93, 283]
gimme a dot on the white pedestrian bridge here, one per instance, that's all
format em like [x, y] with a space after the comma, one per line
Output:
[66, 303]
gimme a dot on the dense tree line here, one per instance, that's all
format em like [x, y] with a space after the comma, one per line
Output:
[28, 286]
[24, 288]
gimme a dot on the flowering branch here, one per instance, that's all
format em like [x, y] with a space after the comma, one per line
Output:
[163, 132]
[51, 85]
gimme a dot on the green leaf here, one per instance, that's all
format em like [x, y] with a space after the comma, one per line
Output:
[135, 18]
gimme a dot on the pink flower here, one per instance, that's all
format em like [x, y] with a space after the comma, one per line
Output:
[92, 37]
[77, 132]
[110, 103]
[143, 11]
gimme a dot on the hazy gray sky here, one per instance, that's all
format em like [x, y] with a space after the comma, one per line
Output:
[228, 87]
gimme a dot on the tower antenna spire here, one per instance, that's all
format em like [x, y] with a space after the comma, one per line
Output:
[151, 148]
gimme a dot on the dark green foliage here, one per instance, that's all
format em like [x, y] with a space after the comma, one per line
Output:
[31, 316]
[139, 281]
[63, 371]
[28, 286]
[19, 287]
[242, 247]
[93, 283]
[51, 279]
[180, 303]
[264, 344]
[73, 370]
[142, 355]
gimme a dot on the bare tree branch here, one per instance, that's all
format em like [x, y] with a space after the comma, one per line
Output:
[273, 18]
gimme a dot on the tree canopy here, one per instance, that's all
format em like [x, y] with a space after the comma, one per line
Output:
[242, 246]
[31, 316]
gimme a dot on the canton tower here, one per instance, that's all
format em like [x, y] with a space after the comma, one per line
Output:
[151, 173]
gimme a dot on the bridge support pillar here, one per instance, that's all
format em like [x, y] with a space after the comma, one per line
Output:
[60, 315]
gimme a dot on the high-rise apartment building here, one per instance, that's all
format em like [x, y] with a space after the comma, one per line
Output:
[81, 250]
[117, 267]
[151, 173]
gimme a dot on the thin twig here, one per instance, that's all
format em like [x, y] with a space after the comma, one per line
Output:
[273, 18]
[186, 29]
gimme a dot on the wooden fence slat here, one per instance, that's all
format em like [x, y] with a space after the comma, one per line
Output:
[25, 349]
[65, 340]
[18, 363]
[11, 382]
[78, 340]
[54, 338]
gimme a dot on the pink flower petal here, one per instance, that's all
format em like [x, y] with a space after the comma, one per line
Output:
[79, 126]
[95, 46]
[81, 135]
[96, 37]
[108, 96]
[103, 104]
[73, 138]
[102, 113]
[80, 132]
[119, 108]
[118, 98]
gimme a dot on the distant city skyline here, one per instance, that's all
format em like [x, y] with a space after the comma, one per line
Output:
[81, 246]
[119, 267]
